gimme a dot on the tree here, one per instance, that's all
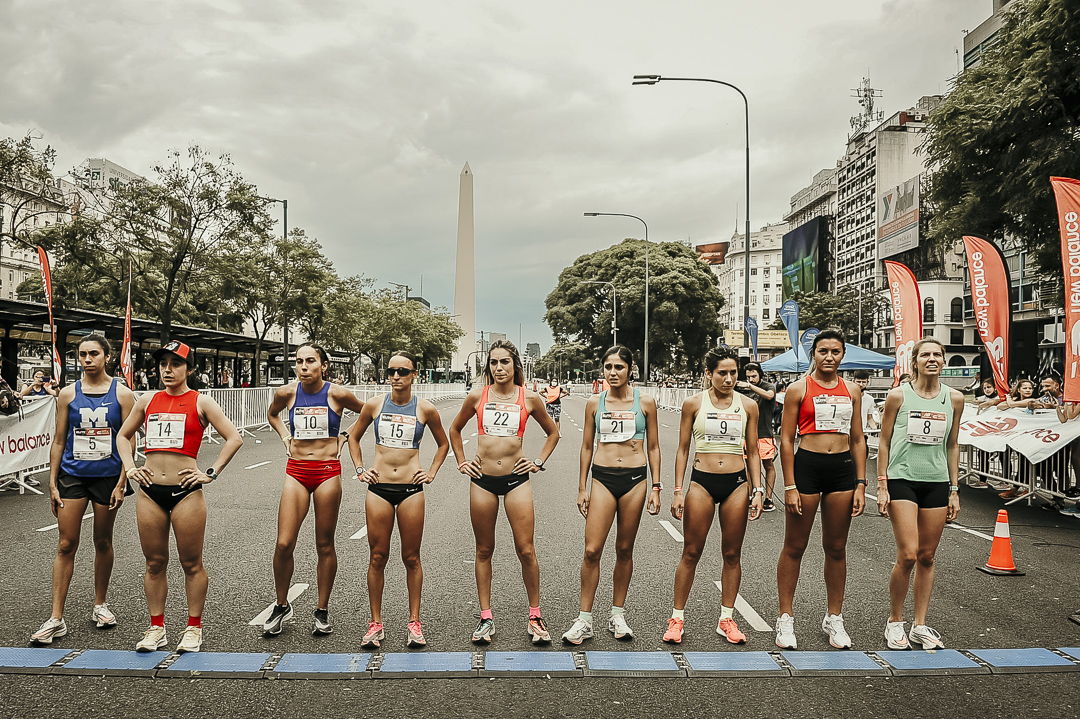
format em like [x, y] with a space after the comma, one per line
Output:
[563, 358]
[684, 302]
[27, 187]
[840, 310]
[1009, 124]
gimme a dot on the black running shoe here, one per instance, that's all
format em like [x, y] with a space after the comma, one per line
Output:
[321, 625]
[278, 616]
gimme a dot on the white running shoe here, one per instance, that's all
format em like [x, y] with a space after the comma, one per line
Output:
[578, 632]
[925, 637]
[785, 632]
[51, 629]
[617, 625]
[895, 636]
[102, 616]
[152, 639]
[190, 640]
[833, 625]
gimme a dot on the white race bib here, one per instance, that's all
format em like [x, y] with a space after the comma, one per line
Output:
[616, 426]
[832, 412]
[397, 430]
[501, 419]
[724, 427]
[91, 444]
[925, 427]
[311, 422]
[165, 430]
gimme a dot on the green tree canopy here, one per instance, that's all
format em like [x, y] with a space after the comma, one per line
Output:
[840, 310]
[567, 357]
[684, 302]
[1009, 124]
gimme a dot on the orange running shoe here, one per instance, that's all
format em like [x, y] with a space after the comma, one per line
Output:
[673, 635]
[728, 629]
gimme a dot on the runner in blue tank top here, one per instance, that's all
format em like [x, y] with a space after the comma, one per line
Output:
[85, 468]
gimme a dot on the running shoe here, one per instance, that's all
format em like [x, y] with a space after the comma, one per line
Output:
[102, 616]
[833, 625]
[785, 632]
[925, 637]
[190, 640]
[416, 636]
[619, 628]
[538, 631]
[152, 639]
[321, 625]
[728, 629]
[674, 632]
[278, 616]
[485, 630]
[578, 632]
[977, 483]
[374, 637]
[895, 636]
[1009, 493]
[51, 629]
[1073, 511]
[768, 506]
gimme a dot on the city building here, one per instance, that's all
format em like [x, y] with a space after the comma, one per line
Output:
[26, 208]
[984, 36]
[532, 350]
[765, 274]
[98, 173]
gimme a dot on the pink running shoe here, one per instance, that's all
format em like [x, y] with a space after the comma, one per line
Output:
[674, 632]
[728, 629]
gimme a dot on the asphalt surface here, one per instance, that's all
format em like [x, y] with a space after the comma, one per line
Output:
[971, 609]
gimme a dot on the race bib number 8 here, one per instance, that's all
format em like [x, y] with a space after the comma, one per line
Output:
[311, 422]
[397, 430]
[500, 419]
[832, 413]
[92, 444]
[165, 430]
[925, 427]
[617, 426]
[723, 427]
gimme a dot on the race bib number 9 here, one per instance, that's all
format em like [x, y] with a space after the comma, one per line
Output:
[832, 413]
[500, 419]
[311, 422]
[165, 430]
[925, 427]
[723, 427]
[397, 430]
[92, 444]
[617, 426]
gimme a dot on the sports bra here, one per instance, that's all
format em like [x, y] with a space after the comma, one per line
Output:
[311, 416]
[614, 425]
[398, 426]
[495, 417]
[172, 423]
[825, 409]
[720, 431]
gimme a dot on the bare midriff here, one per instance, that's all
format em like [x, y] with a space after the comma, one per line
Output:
[166, 466]
[396, 465]
[498, 455]
[314, 449]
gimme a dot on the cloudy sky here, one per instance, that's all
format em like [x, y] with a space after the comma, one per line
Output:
[362, 114]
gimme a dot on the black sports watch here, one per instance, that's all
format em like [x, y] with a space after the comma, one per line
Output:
[539, 463]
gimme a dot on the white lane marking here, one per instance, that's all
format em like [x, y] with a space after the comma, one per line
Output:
[671, 530]
[749, 613]
[464, 443]
[665, 425]
[260, 464]
[86, 516]
[871, 496]
[360, 533]
[473, 434]
[294, 591]
[962, 528]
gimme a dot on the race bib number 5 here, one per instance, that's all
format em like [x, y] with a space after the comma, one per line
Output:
[165, 430]
[925, 427]
[832, 413]
[311, 422]
[397, 430]
[500, 419]
[92, 444]
[723, 427]
[617, 426]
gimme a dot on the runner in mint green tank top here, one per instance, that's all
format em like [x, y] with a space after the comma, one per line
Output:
[918, 466]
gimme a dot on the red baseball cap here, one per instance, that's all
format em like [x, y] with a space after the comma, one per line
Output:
[179, 349]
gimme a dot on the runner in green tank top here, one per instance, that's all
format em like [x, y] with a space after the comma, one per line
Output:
[918, 466]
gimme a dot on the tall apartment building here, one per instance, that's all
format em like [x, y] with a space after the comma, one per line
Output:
[984, 36]
[24, 209]
[766, 294]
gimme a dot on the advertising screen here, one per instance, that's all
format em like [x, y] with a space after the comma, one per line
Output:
[803, 269]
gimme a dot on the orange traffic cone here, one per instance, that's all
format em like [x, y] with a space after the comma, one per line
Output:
[1001, 556]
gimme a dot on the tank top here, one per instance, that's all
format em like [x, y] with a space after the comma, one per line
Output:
[917, 449]
[825, 409]
[398, 426]
[495, 417]
[172, 423]
[615, 425]
[720, 431]
[38, 392]
[311, 416]
[90, 447]
[553, 395]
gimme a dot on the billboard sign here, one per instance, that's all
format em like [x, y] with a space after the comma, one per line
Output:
[898, 218]
[767, 339]
[803, 269]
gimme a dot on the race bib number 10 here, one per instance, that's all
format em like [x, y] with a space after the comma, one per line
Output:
[925, 427]
[165, 430]
[617, 426]
[397, 430]
[311, 422]
[500, 419]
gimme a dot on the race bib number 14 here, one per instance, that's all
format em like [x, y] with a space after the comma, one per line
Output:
[165, 430]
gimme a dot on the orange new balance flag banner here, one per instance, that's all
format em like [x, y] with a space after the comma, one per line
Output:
[46, 281]
[906, 311]
[125, 352]
[992, 304]
[1067, 193]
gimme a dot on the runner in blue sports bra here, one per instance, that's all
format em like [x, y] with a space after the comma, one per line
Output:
[620, 443]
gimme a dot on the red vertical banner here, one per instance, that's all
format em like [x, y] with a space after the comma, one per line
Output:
[906, 312]
[125, 352]
[1067, 193]
[991, 302]
[46, 281]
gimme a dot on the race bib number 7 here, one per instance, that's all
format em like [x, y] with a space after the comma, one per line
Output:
[500, 419]
[165, 430]
[617, 426]
[925, 427]
[832, 413]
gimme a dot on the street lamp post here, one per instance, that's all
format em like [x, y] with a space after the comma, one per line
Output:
[645, 361]
[284, 314]
[652, 80]
[614, 308]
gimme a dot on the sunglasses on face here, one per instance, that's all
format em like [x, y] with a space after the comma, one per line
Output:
[399, 371]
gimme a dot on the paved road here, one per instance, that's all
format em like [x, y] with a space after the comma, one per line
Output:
[971, 609]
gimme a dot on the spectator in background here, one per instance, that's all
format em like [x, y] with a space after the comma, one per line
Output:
[1068, 412]
[764, 394]
[1023, 395]
[142, 382]
[871, 415]
[1051, 392]
[42, 385]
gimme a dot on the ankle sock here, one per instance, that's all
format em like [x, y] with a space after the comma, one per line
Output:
[726, 612]
[678, 614]
[486, 614]
[617, 611]
[194, 621]
[157, 620]
[534, 612]
[585, 617]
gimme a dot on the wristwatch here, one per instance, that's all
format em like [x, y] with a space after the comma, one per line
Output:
[211, 473]
[757, 490]
[539, 463]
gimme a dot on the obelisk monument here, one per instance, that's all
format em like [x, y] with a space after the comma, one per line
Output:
[465, 275]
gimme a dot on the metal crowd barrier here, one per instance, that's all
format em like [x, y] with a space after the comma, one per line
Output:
[1046, 480]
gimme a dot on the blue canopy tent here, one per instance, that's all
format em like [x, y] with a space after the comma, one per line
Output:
[855, 357]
